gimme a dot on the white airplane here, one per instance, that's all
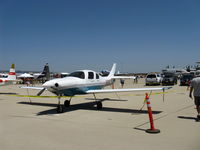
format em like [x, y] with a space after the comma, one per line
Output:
[3, 75]
[11, 77]
[84, 82]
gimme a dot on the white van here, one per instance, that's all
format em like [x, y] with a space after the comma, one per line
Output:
[153, 79]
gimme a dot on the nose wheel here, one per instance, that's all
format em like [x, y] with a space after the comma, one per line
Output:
[60, 109]
[67, 103]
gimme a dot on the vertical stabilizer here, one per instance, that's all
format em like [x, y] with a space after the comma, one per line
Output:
[12, 74]
[112, 72]
[46, 72]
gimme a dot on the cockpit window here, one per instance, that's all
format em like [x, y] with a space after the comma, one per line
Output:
[78, 74]
[90, 75]
[151, 76]
[97, 76]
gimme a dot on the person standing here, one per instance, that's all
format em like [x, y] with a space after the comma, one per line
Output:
[122, 82]
[136, 79]
[195, 88]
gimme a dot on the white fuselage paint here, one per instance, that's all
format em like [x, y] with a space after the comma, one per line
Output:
[74, 85]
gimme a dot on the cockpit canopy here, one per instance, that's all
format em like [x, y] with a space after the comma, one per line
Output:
[78, 74]
[85, 74]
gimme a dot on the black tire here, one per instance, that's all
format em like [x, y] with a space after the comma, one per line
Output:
[99, 105]
[67, 103]
[60, 109]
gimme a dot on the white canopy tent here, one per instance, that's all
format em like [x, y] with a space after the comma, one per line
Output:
[25, 75]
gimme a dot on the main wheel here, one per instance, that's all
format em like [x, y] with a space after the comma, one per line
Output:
[60, 109]
[99, 105]
[67, 103]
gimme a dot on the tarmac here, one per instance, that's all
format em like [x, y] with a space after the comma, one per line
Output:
[119, 125]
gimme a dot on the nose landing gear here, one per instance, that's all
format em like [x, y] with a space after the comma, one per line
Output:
[60, 108]
[67, 102]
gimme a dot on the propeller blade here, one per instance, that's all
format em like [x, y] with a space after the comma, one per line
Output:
[39, 93]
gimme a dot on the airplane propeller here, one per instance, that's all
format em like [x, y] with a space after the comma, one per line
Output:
[55, 87]
[39, 93]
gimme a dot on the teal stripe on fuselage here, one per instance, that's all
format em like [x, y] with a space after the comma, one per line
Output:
[79, 90]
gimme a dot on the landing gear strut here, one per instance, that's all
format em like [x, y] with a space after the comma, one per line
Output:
[59, 107]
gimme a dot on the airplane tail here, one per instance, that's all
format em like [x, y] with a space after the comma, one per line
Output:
[112, 72]
[46, 72]
[12, 74]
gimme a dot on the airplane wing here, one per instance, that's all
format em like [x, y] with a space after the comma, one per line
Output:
[32, 87]
[123, 77]
[127, 90]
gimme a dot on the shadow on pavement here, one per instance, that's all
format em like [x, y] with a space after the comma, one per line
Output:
[85, 106]
[190, 118]
[8, 94]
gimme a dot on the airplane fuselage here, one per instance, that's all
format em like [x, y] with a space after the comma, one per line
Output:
[77, 83]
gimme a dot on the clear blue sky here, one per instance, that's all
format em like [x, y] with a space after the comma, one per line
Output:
[139, 35]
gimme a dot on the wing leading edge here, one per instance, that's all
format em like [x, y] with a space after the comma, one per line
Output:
[127, 90]
[123, 77]
[32, 87]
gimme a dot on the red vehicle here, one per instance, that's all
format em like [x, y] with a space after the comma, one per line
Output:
[186, 79]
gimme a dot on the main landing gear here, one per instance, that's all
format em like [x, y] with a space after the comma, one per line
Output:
[99, 103]
[60, 107]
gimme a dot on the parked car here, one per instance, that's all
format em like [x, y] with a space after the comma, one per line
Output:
[169, 79]
[185, 79]
[153, 79]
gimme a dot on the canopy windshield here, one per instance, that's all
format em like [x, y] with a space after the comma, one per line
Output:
[78, 74]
